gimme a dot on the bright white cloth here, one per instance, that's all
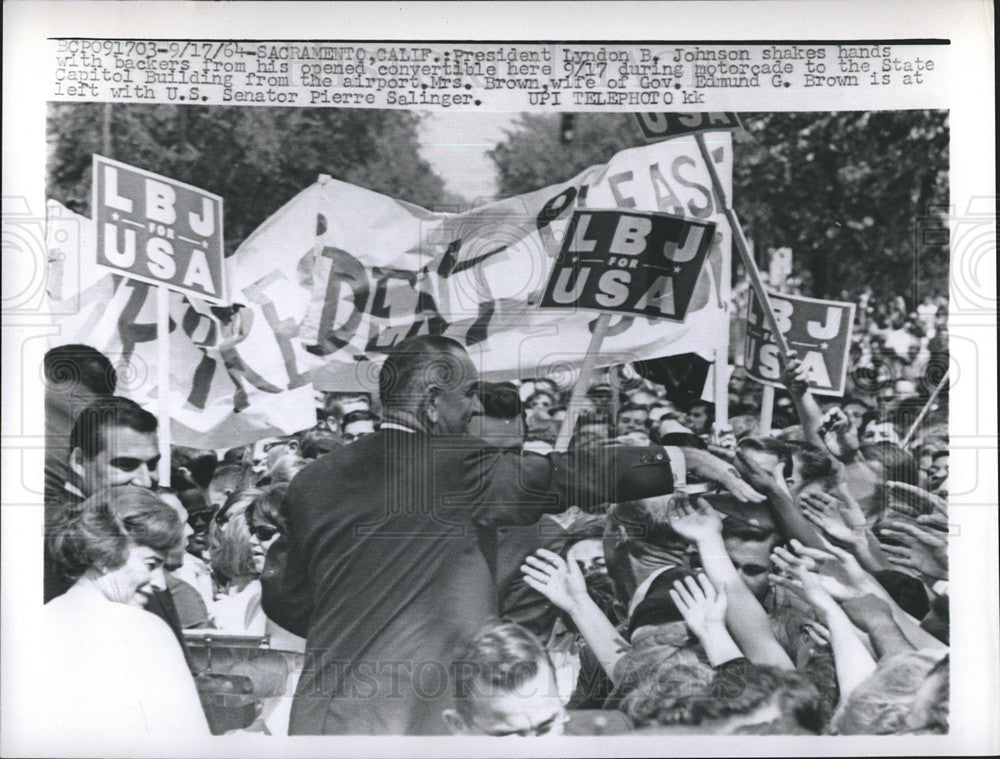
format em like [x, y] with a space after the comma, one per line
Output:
[110, 670]
[239, 611]
[196, 573]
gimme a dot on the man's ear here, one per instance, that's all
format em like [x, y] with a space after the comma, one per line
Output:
[293, 445]
[76, 462]
[456, 725]
[429, 402]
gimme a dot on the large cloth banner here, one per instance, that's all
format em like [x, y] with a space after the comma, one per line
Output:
[227, 370]
[339, 274]
[382, 270]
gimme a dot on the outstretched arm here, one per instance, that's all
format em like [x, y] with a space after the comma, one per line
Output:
[852, 661]
[745, 617]
[704, 611]
[563, 584]
[810, 414]
[790, 520]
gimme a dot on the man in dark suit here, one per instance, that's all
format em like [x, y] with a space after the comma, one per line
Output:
[384, 572]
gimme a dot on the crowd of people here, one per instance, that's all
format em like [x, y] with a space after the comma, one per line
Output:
[427, 562]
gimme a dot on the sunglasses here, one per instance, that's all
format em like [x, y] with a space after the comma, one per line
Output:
[263, 532]
[130, 464]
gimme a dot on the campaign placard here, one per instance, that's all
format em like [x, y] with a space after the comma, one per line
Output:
[158, 230]
[629, 262]
[663, 126]
[819, 331]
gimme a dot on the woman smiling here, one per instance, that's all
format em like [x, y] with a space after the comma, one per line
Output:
[110, 664]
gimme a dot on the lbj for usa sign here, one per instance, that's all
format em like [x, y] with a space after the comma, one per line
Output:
[819, 331]
[158, 230]
[635, 263]
[663, 126]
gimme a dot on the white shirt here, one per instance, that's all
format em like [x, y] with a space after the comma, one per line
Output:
[110, 671]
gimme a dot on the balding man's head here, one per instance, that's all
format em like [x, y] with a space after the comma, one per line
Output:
[434, 379]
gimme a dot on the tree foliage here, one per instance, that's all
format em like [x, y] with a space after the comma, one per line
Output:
[255, 158]
[858, 196]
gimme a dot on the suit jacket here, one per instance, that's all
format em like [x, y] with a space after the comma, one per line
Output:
[383, 542]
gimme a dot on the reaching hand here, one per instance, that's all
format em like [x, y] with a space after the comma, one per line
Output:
[923, 552]
[809, 586]
[699, 603]
[919, 499]
[723, 442]
[790, 564]
[838, 433]
[834, 420]
[696, 523]
[824, 511]
[561, 583]
[934, 523]
[819, 633]
[759, 477]
[841, 574]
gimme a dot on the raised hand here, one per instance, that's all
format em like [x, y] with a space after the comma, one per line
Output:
[819, 633]
[809, 586]
[934, 523]
[794, 375]
[790, 565]
[923, 552]
[838, 433]
[824, 512]
[699, 603]
[694, 522]
[759, 477]
[917, 498]
[560, 582]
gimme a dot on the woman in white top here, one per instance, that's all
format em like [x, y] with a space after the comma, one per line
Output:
[110, 667]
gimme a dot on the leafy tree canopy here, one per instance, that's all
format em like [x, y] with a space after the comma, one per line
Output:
[859, 196]
[255, 158]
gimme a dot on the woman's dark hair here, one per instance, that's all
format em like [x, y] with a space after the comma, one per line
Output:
[267, 506]
[97, 532]
[229, 547]
[814, 463]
